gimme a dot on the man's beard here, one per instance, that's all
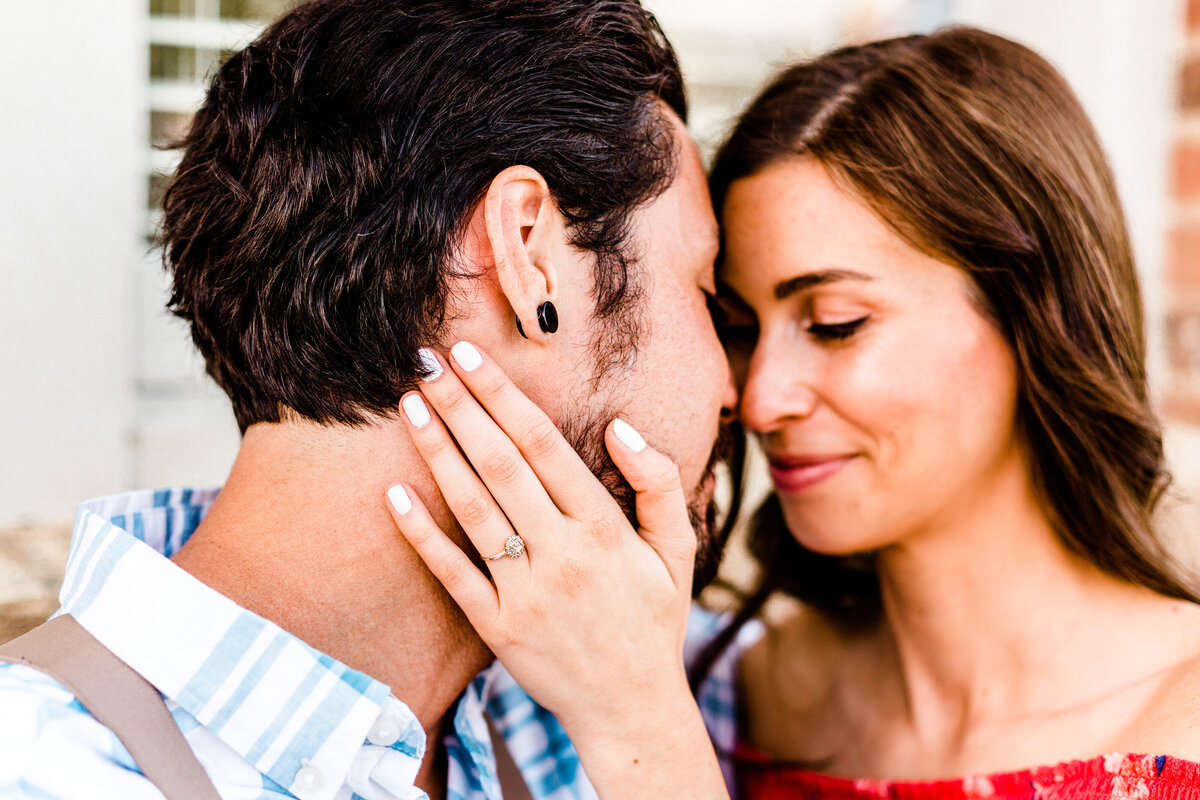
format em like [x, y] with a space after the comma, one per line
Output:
[586, 436]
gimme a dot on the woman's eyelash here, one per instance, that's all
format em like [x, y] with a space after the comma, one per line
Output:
[837, 332]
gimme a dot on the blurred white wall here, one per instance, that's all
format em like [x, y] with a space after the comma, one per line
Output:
[71, 134]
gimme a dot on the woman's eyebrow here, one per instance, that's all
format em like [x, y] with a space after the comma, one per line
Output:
[808, 280]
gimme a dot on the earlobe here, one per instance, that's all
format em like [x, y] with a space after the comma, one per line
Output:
[547, 317]
[525, 230]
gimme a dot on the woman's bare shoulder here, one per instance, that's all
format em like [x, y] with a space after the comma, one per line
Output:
[1170, 720]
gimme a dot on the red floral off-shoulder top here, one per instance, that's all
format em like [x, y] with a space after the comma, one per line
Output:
[1112, 777]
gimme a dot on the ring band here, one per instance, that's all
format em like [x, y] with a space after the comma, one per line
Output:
[514, 547]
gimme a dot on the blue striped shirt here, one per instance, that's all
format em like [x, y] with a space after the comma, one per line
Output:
[267, 715]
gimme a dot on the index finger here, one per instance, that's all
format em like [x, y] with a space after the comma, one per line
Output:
[568, 481]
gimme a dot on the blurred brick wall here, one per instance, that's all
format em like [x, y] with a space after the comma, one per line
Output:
[1182, 395]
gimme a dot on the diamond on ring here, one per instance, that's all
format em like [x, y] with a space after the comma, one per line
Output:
[514, 547]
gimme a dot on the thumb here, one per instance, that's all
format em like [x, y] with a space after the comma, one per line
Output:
[661, 506]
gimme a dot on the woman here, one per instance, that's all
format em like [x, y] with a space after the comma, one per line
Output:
[936, 327]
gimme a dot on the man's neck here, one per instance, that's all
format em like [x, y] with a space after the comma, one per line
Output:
[301, 536]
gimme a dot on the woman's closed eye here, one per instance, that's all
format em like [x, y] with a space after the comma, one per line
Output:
[835, 331]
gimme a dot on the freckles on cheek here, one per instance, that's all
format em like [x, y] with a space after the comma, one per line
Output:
[882, 382]
[952, 395]
[904, 392]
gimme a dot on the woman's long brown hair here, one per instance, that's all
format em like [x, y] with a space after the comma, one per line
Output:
[976, 151]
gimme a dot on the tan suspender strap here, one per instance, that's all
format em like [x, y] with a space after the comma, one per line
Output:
[120, 699]
[512, 782]
[125, 703]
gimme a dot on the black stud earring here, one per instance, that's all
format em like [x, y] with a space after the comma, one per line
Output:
[547, 317]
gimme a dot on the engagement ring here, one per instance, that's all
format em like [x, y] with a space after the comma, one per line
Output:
[514, 547]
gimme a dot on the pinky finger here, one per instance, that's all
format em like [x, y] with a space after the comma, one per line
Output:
[662, 509]
[464, 582]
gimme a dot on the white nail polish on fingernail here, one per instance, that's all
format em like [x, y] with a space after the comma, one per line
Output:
[399, 499]
[433, 368]
[466, 356]
[417, 411]
[628, 436]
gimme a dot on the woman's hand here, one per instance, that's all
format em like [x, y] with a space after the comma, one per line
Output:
[591, 618]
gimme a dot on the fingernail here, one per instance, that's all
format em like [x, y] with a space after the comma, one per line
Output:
[628, 436]
[417, 411]
[429, 362]
[399, 499]
[466, 356]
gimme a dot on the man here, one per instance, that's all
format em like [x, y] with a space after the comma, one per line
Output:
[371, 177]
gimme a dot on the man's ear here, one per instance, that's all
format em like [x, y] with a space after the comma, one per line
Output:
[525, 231]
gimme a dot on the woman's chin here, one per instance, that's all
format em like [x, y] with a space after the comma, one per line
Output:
[821, 534]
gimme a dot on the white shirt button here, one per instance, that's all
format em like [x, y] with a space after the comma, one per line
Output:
[309, 779]
[384, 733]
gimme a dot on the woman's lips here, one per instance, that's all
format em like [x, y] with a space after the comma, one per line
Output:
[794, 474]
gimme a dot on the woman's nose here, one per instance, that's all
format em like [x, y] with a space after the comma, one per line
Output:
[776, 389]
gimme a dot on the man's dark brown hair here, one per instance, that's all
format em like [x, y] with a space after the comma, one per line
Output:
[325, 182]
